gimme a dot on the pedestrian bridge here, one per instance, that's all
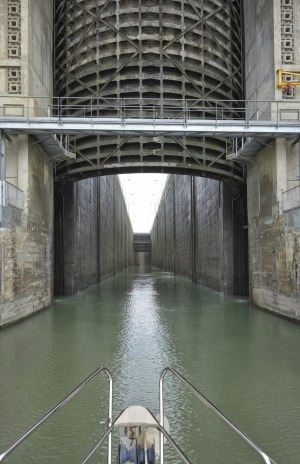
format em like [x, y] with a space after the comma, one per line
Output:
[141, 243]
[98, 136]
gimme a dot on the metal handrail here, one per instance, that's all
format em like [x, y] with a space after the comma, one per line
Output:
[86, 107]
[10, 195]
[58, 406]
[211, 406]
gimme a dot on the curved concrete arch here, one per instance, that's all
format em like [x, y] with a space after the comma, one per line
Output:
[81, 173]
[150, 49]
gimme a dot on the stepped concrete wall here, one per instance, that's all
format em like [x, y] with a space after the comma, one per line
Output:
[93, 234]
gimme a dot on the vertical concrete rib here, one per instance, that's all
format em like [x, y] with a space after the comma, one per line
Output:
[145, 49]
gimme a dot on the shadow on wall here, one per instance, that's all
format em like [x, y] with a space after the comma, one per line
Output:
[93, 233]
[200, 231]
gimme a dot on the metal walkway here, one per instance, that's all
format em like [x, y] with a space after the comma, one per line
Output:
[150, 117]
[230, 128]
[150, 135]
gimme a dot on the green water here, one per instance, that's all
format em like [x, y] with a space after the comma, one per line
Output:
[244, 360]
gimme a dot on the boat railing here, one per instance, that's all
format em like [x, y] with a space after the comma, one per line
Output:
[211, 406]
[111, 425]
[59, 405]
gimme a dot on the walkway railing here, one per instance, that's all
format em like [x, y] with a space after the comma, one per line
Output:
[11, 195]
[291, 197]
[154, 109]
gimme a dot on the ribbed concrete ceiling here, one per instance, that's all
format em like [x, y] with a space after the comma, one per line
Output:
[158, 52]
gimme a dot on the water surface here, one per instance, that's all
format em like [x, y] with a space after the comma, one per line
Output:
[244, 360]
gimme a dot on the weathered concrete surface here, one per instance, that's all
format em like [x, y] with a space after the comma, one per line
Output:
[274, 242]
[38, 80]
[26, 48]
[93, 234]
[142, 259]
[194, 233]
[259, 49]
[26, 276]
[272, 40]
[26, 249]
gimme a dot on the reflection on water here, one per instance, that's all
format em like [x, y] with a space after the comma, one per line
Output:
[135, 324]
[143, 343]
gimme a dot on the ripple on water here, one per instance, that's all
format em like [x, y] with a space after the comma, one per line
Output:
[245, 361]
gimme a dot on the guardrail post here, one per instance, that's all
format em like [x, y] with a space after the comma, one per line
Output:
[185, 113]
[122, 113]
[247, 116]
[59, 109]
[2, 156]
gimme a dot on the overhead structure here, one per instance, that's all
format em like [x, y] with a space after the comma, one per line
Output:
[157, 52]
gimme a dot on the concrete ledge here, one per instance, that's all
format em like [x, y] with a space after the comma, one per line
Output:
[287, 306]
[15, 311]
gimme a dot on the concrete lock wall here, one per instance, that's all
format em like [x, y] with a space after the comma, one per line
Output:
[26, 234]
[274, 232]
[272, 41]
[26, 246]
[199, 232]
[93, 234]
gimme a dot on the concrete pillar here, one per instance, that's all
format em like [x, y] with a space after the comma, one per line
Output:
[26, 240]
[272, 41]
[274, 234]
[194, 250]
